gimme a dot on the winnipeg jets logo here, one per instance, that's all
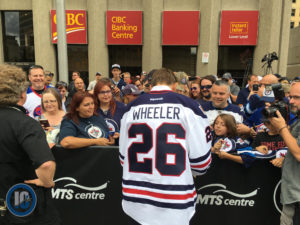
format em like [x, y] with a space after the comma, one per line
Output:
[94, 131]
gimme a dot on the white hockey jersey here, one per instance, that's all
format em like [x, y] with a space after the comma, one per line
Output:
[165, 139]
[33, 103]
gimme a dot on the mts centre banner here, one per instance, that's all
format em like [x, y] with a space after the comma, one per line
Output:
[239, 27]
[124, 27]
[76, 27]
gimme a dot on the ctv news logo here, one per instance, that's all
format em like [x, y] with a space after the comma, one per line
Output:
[217, 198]
[68, 191]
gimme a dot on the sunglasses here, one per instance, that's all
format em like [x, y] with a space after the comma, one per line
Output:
[206, 87]
[193, 89]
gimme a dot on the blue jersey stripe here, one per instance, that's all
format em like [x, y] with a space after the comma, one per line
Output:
[200, 159]
[160, 204]
[167, 187]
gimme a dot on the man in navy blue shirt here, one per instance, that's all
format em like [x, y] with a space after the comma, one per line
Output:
[242, 98]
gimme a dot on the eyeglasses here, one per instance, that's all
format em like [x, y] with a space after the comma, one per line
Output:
[206, 87]
[294, 97]
[193, 89]
[104, 92]
[51, 101]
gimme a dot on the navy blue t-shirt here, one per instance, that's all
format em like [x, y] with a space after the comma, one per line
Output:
[93, 127]
[242, 96]
[113, 122]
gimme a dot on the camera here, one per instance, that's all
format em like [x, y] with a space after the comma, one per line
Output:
[279, 104]
[112, 87]
[255, 87]
[269, 58]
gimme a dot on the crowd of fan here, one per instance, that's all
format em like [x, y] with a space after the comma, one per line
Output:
[76, 117]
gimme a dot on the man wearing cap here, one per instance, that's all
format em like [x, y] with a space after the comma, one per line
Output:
[93, 83]
[116, 79]
[131, 92]
[234, 89]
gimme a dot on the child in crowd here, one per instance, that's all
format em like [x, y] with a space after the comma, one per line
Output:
[270, 145]
[226, 141]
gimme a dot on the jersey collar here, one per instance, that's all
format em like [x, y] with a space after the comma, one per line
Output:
[160, 89]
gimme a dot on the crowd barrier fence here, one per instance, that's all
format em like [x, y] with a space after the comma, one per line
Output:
[88, 190]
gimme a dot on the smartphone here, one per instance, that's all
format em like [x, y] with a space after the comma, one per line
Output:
[255, 87]
[45, 123]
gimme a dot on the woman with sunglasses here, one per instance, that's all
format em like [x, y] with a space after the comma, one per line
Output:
[205, 88]
[195, 89]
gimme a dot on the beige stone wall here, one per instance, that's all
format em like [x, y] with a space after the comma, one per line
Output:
[273, 32]
[293, 68]
[44, 49]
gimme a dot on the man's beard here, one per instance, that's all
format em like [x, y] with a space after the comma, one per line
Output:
[295, 110]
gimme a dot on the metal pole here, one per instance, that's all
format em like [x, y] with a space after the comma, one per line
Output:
[61, 41]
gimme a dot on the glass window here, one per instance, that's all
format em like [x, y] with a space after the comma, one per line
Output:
[236, 60]
[293, 12]
[292, 24]
[18, 41]
[129, 57]
[180, 58]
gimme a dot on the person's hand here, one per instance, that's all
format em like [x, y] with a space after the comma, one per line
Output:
[222, 154]
[253, 133]
[217, 146]
[39, 182]
[243, 129]
[277, 162]
[116, 135]
[116, 91]
[102, 141]
[262, 149]
[48, 128]
[111, 140]
[278, 122]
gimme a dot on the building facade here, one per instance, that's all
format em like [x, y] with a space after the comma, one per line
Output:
[25, 37]
[295, 13]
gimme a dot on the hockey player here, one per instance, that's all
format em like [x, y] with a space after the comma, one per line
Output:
[165, 140]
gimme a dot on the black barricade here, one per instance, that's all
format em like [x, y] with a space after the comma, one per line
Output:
[88, 190]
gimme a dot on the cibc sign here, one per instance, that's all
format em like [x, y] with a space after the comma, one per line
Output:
[124, 27]
[76, 27]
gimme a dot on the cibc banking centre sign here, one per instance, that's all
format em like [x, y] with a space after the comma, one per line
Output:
[124, 27]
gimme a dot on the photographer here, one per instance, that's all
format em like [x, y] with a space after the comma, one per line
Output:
[257, 99]
[290, 186]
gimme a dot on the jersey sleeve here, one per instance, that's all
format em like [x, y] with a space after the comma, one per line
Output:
[199, 144]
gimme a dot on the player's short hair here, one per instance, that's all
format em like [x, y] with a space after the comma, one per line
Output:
[163, 76]
[57, 96]
[230, 124]
[12, 84]
[222, 83]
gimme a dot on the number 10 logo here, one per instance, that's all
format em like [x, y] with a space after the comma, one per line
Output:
[21, 200]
